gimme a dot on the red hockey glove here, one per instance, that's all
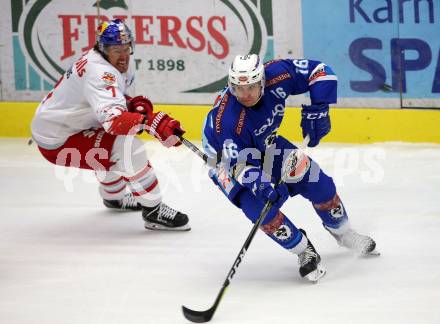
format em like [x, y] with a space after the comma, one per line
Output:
[140, 104]
[164, 128]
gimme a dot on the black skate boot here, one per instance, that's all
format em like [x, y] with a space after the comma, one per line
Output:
[163, 217]
[128, 202]
[308, 261]
[360, 244]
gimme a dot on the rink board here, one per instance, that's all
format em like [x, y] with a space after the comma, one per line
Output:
[348, 125]
[385, 55]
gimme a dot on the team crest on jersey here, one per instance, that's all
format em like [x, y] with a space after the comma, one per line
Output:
[108, 78]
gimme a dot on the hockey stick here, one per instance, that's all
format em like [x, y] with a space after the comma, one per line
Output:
[206, 315]
[194, 148]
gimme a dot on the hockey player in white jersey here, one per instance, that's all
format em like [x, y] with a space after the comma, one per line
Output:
[88, 121]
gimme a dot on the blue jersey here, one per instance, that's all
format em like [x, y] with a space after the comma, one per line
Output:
[242, 137]
[231, 128]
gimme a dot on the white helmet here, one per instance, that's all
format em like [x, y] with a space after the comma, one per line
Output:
[246, 69]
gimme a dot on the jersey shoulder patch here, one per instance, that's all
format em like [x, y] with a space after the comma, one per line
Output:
[321, 72]
[102, 75]
[108, 78]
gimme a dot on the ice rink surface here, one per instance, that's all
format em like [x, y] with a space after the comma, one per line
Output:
[65, 259]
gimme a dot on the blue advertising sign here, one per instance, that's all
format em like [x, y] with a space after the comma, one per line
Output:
[378, 48]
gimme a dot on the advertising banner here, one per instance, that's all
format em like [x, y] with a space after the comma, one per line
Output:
[386, 53]
[386, 49]
[182, 53]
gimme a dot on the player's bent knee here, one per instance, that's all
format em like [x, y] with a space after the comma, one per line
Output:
[130, 154]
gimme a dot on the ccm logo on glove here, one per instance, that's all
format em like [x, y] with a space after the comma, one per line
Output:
[316, 115]
[315, 122]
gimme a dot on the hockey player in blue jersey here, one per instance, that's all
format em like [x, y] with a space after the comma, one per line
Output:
[240, 132]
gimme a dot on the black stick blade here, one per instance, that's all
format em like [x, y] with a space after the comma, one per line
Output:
[198, 316]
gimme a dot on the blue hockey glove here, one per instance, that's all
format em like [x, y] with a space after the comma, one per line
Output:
[263, 189]
[315, 121]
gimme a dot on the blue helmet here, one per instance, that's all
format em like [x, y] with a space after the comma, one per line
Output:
[113, 32]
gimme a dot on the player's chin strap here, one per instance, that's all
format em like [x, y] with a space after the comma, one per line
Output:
[206, 315]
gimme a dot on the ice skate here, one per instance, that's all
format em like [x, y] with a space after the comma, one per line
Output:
[360, 244]
[308, 261]
[163, 217]
[128, 202]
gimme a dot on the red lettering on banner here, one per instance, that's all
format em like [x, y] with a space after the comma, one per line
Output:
[208, 35]
[166, 31]
[218, 36]
[141, 29]
[68, 34]
[92, 24]
[195, 33]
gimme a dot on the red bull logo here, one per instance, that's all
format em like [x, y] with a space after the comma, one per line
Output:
[108, 78]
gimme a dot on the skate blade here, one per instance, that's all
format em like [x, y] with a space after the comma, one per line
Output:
[373, 253]
[316, 275]
[158, 227]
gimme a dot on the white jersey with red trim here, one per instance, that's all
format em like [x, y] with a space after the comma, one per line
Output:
[90, 94]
